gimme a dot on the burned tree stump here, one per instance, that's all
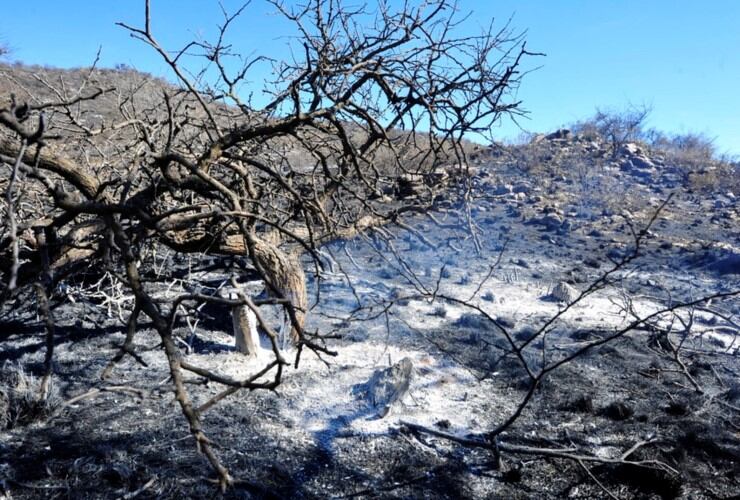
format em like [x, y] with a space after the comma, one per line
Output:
[246, 338]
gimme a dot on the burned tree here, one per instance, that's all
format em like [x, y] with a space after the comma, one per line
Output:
[371, 99]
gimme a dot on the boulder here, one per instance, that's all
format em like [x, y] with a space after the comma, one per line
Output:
[561, 134]
[563, 292]
[641, 162]
[630, 149]
[551, 221]
[388, 386]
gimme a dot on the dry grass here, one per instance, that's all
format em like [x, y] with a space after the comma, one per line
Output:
[20, 400]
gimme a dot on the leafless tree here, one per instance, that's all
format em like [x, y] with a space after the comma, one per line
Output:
[372, 102]
[619, 126]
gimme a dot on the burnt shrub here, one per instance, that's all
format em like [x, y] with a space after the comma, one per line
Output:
[618, 410]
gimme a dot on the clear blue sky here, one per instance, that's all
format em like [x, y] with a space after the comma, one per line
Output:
[682, 57]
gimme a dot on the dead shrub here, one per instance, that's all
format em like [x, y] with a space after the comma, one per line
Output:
[617, 126]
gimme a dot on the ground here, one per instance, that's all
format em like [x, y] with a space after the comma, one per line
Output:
[317, 436]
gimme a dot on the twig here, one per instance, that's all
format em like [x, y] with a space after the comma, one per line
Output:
[136, 493]
[596, 480]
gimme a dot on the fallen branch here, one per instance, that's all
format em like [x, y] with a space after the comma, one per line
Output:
[566, 453]
[96, 391]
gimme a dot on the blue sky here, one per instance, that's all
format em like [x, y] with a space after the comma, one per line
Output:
[681, 57]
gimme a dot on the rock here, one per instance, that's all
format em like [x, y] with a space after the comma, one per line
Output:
[389, 385]
[537, 138]
[591, 262]
[551, 221]
[643, 174]
[409, 185]
[641, 162]
[440, 176]
[630, 149]
[563, 292]
[502, 190]
[521, 263]
[560, 134]
[565, 227]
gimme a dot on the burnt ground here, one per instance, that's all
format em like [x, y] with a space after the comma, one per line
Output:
[316, 437]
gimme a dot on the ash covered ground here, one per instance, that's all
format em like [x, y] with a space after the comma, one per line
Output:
[319, 436]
